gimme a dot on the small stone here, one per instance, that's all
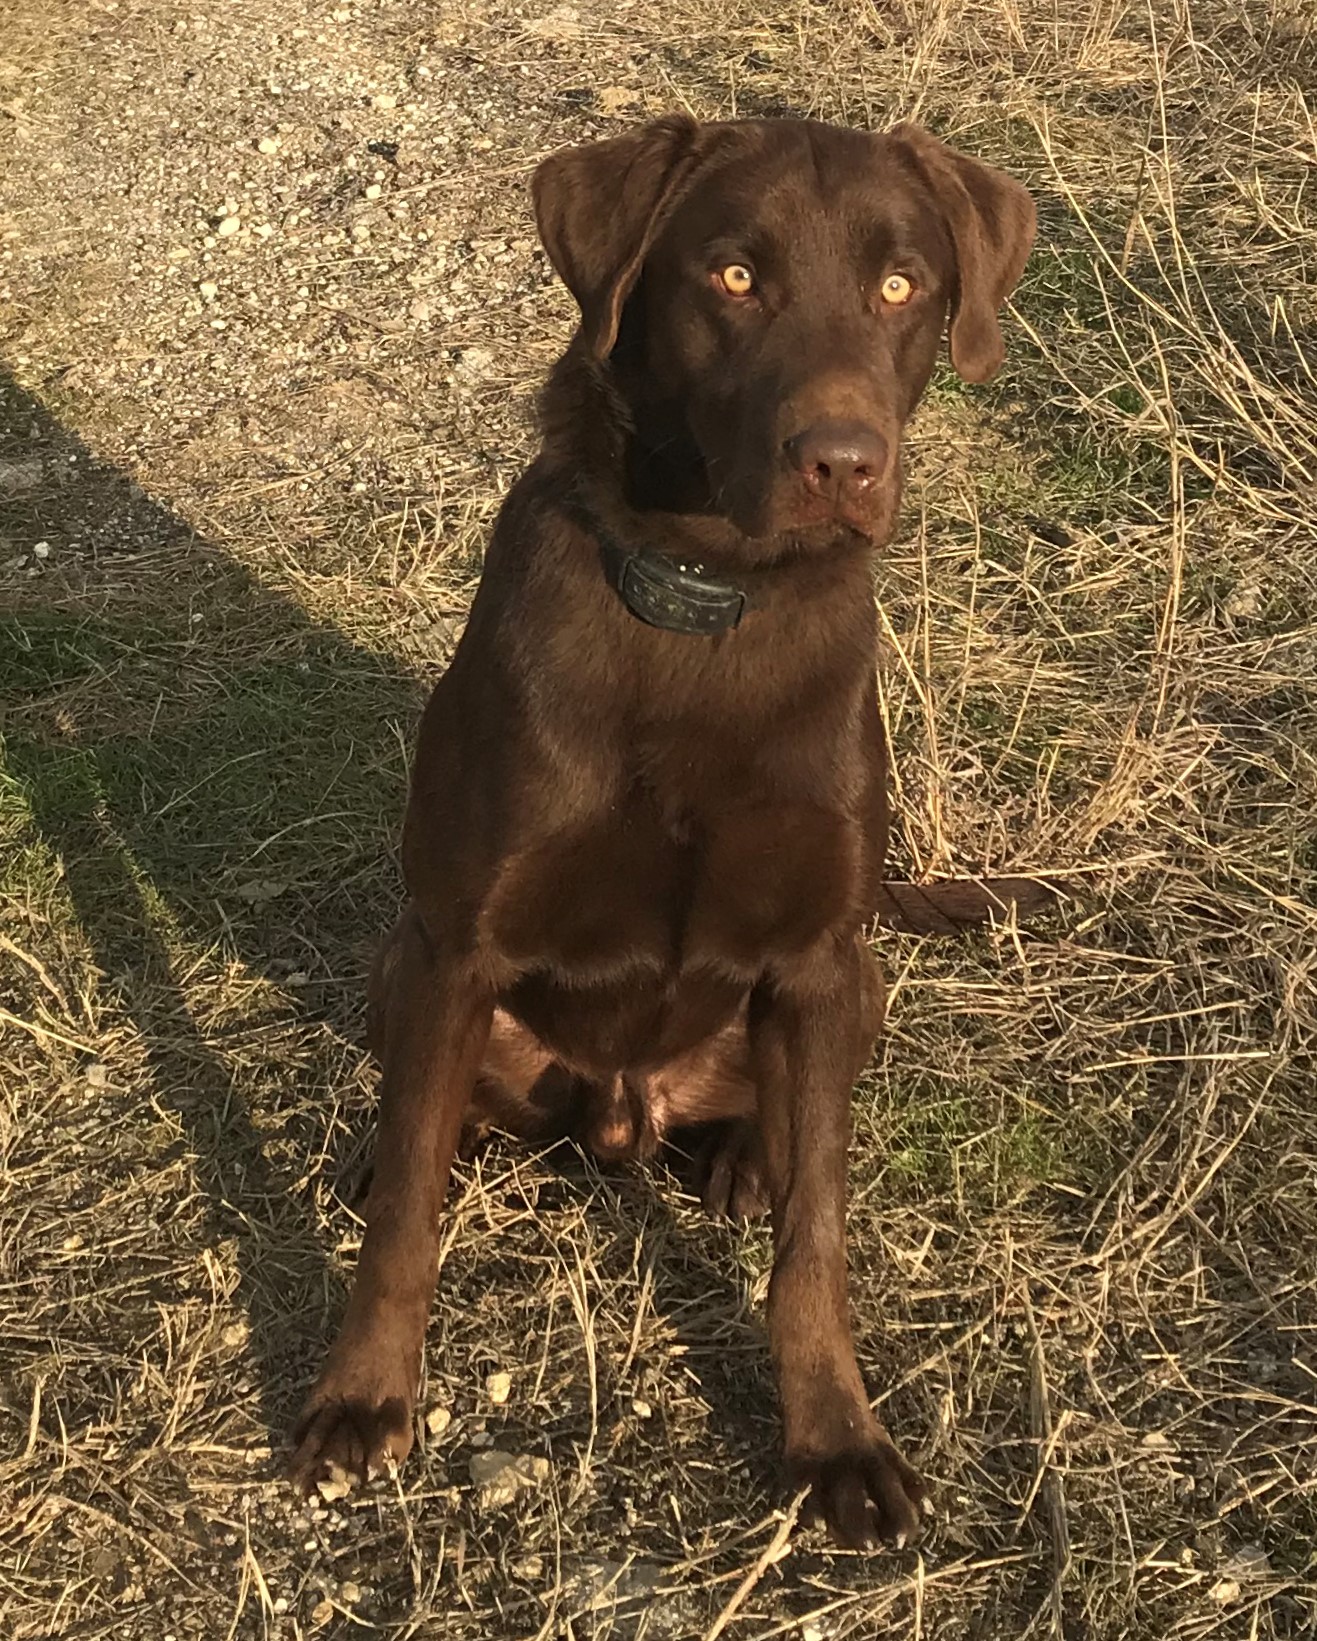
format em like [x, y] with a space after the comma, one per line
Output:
[336, 1485]
[385, 100]
[1244, 600]
[562, 24]
[209, 290]
[281, 1603]
[474, 363]
[373, 190]
[234, 1335]
[1249, 1561]
[531, 1568]
[263, 889]
[322, 1612]
[1224, 1591]
[501, 1476]
[419, 310]
[641, 1408]
[71, 1244]
[498, 1387]
[613, 98]
[606, 1585]
[437, 1420]
[350, 1593]
[361, 230]
[24, 474]
[228, 226]
[268, 145]
[41, 550]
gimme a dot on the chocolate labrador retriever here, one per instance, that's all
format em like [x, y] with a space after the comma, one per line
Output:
[648, 818]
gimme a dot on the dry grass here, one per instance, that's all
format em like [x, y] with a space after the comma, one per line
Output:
[1085, 1177]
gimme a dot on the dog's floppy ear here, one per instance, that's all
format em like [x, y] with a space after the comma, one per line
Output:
[599, 207]
[992, 220]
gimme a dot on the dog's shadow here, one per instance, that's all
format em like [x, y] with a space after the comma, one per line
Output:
[221, 808]
[216, 779]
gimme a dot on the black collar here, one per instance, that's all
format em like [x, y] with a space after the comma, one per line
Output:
[677, 596]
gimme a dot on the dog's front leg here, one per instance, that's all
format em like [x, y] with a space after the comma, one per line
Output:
[807, 1029]
[433, 1025]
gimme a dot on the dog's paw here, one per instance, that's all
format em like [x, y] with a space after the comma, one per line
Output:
[730, 1172]
[864, 1497]
[345, 1439]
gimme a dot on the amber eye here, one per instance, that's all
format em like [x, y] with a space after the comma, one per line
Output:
[736, 279]
[896, 289]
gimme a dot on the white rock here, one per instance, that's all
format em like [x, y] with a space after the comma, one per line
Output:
[498, 1387]
[501, 1476]
[336, 1485]
[373, 190]
[24, 473]
[562, 24]
[268, 145]
[230, 225]
[613, 98]
[475, 362]
[1244, 600]
[386, 99]
[437, 1420]
[209, 290]
[1249, 1561]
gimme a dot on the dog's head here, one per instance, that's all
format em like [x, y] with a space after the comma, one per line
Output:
[770, 295]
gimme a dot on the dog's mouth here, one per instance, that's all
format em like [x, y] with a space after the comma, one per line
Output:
[861, 515]
[784, 511]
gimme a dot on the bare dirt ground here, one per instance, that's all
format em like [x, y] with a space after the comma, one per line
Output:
[271, 317]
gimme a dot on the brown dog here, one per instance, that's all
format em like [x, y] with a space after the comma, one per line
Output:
[648, 817]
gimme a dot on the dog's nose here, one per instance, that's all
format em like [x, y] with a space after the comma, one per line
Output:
[836, 459]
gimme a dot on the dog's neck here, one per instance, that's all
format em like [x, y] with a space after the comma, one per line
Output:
[673, 558]
[676, 594]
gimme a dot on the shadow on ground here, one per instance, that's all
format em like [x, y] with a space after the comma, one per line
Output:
[218, 781]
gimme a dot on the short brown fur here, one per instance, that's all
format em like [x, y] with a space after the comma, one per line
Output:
[642, 862]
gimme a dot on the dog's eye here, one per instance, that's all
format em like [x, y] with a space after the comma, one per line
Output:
[735, 279]
[896, 289]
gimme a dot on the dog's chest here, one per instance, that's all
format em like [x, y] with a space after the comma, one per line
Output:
[646, 891]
